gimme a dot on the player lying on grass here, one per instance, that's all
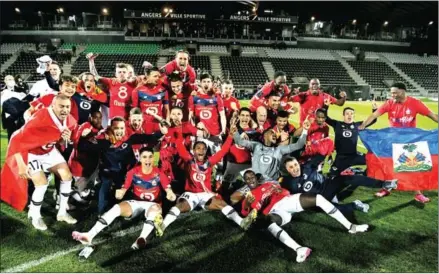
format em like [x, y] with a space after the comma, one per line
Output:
[198, 183]
[147, 181]
[313, 182]
[277, 205]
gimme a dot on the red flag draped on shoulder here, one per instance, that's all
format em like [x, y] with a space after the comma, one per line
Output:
[40, 130]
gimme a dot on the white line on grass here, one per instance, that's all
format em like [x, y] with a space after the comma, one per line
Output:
[26, 266]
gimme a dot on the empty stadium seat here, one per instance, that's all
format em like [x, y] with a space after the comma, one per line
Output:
[213, 49]
[123, 48]
[26, 64]
[375, 72]
[11, 48]
[106, 63]
[244, 70]
[329, 72]
[425, 75]
[300, 53]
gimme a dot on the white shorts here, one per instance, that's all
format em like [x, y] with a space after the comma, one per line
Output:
[197, 199]
[37, 163]
[233, 170]
[139, 207]
[105, 116]
[287, 206]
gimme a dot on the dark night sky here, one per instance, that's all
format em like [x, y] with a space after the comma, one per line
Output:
[397, 13]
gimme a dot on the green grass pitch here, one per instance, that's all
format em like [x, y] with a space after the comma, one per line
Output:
[403, 239]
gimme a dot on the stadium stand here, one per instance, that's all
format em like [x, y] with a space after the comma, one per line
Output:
[425, 75]
[213, 49]
[123, 48]
[4, 57]
[316, 54]
[26, 64]
[375, 72]
[105, 63]
[328, 71]
[249, 50]
[345, 54]
[11, 48]
[244, 70]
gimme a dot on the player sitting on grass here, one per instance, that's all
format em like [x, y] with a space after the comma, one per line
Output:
[147, 181]
[198, 183]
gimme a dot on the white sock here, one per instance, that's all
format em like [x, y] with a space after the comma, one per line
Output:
[37, 201]
[171, 216]
[104, 221]
[148, 226]
[280, 234]
[231, 214]
[64, 189]
[332, 211]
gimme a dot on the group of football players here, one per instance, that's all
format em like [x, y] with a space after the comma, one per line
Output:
[250, 163]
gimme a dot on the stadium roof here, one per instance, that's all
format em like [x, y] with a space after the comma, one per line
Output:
[341, 12]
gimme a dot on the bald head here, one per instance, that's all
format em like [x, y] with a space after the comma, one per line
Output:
[261, 114]
[314, 85]
[9, 81]
[61, 105]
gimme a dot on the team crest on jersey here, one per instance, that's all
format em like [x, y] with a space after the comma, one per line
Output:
[413, 157]
[124, 146]
[199, 177]
[408, 112]
[154, 183]
[352, 126]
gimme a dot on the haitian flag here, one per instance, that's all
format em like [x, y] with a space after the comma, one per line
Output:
[407, 154]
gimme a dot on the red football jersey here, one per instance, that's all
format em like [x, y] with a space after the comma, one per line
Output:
[404, 114]
[266, 196]
[206, 109]
[310, 103]
[168, 149]
[83, 164]
[181, 100]
[120, 96]
[239, 154]
[150, 98]
[188, 75]
[199, 173]
[261, 97]
[316, 132]
[228, 106]
[146, 187]
[46, 100]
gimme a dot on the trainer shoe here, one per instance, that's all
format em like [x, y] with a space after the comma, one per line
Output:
[247, 221]
[303, 253]
[84, 238]
[158, 224]
[140, 243]
[66, 218]
[358, 228]
[382, 193]
[421, 198]
[38, 223]
[360, 206]
[389, 185]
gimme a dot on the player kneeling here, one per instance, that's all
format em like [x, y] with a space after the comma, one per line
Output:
[146, 180]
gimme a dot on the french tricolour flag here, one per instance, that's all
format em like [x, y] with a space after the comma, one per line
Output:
[407, 154]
